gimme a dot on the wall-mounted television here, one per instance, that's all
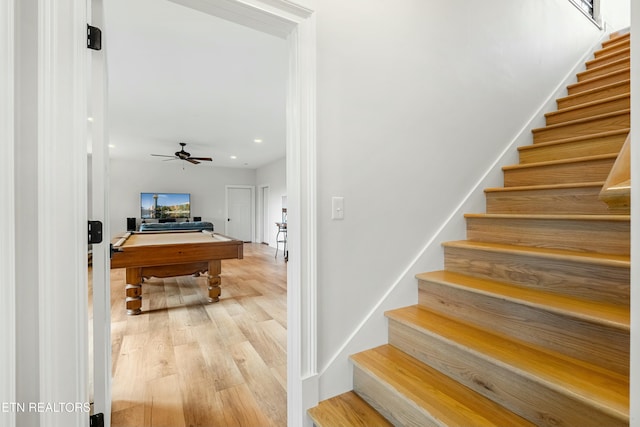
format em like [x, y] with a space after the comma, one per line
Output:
[165, 205]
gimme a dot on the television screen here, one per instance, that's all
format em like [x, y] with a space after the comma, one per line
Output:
[165, 205]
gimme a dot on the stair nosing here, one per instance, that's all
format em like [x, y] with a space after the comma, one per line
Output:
[588, 104]
[561, 161]
[609, 55]
[619, 36]
[544, 187]
[565, 308]
[613, 260]
[600, 67]
[600, 77]
[514, 365]
[612, 44]
[582, 120]
[594, 90]
[573, 139]
[553, 217]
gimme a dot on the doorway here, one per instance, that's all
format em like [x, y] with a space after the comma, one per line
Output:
[296, 24]
[240, 212]
[264, 215]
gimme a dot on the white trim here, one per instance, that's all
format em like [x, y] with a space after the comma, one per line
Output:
[100, 212]
[296, 22]
[62, 183]
[7, 216]
[252, 214]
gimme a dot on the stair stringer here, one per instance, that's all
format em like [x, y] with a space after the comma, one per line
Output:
[336, 377]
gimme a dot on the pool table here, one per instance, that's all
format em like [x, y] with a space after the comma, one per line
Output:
[168, 254]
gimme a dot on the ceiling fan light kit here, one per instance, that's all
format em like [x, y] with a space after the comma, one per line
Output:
[183, 155]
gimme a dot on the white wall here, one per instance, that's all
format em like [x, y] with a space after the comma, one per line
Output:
[274, 176]
[615, 14]
[205, 182]
[415, 101]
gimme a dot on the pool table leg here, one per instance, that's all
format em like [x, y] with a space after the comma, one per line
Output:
[133, 291]
[215, 268]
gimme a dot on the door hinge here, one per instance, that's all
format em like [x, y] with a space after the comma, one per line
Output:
[95, 232]
[94, 38]
[96, 420]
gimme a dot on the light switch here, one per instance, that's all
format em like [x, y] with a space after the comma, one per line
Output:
[337, 207]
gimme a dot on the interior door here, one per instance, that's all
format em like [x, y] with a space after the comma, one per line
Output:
[240, 213]
[99, 211]
[265, 216]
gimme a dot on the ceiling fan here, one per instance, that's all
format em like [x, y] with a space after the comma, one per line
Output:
[183, 155]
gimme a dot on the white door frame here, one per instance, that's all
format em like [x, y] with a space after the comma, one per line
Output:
[252, 219]
[100, 212]
[53, 52]
[294, 22]
[7, 216]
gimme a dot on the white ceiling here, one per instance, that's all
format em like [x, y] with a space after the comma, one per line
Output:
[179, 75]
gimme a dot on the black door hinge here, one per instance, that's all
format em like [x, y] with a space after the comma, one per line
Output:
[95, 232]
[96, 420]
[94, 38]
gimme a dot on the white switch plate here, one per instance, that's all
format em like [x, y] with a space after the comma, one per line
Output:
[337, 207]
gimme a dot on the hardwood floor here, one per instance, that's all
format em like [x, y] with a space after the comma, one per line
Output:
[184, 362]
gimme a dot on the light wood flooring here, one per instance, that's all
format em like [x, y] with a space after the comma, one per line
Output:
[184, 362]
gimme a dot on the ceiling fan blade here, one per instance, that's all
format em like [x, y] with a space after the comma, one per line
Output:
[204, 159]
[190, 160]
[162, 155]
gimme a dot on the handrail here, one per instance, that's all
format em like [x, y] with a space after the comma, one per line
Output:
[616, 191]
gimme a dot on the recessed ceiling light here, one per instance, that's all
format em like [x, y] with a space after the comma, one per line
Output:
[112, 146]
[257, 140]
[90, 119]
[233, 157]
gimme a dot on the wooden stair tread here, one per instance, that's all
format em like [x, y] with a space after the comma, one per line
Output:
[561, 162]
[574, 139]
[612, 45]
[615, 260]
[620, 63]
[583, 120]
[544, 187]
[607, 54]
[596, 312]
[447, 401]
[588, 82]
[594, 90]
[588, 104]
[617, 37]
[346, 410]
[608, 391]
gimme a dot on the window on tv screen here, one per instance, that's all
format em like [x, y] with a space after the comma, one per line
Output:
[165, 205]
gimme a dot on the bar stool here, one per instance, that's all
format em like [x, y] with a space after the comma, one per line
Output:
[282, 229]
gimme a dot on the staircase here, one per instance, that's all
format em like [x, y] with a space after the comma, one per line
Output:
[528, 324]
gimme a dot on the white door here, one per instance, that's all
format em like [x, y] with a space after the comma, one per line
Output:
[240, 212]
[264, 232]
[98, 190]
